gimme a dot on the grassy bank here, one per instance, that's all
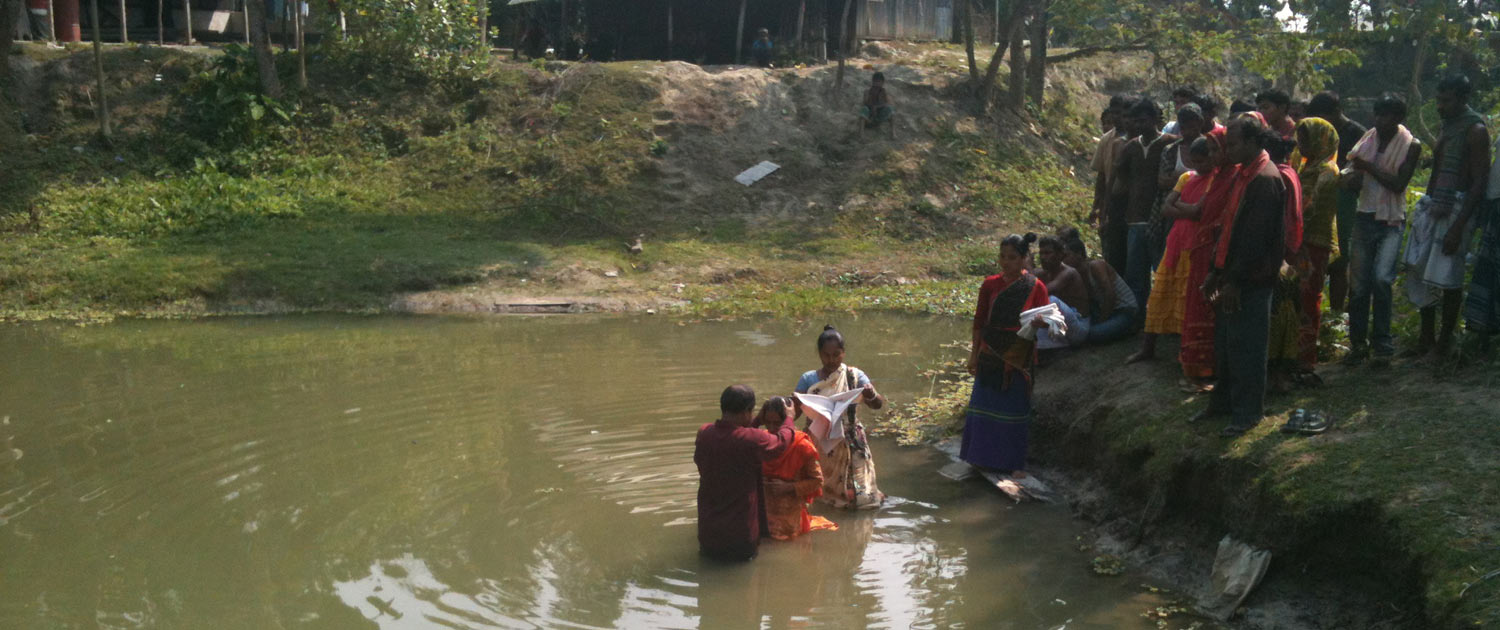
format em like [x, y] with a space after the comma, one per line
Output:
[523, 180]
[1401, 494]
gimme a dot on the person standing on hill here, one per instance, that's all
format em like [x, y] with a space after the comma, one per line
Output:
[1482, 311]
[1381, 165]
[1136, 172]
[729, 454]
[1247, 263]
[1442, 222]
[1326, 105]
[761, 49]
[1111, 234]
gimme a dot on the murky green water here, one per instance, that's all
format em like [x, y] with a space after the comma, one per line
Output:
[334, 472]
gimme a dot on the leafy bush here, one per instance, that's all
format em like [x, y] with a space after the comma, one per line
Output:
[397, 39]
[223, 105]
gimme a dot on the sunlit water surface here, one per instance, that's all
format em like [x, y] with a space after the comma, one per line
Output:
[403, 472]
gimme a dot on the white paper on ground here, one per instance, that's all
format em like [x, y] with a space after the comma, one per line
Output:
[756, 173]
[827, 414]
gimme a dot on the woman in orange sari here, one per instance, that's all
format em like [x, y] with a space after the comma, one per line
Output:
[791, 481]
[1197, 352]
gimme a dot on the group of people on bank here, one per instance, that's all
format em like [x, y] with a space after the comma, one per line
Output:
[1227, 232]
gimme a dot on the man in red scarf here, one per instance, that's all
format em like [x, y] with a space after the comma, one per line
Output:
[729, 454]
[1247, 261]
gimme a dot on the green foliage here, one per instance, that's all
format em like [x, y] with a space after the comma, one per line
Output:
[437, 39]
[223, 105]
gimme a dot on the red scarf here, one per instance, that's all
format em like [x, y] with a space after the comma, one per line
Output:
[1292, 218]
[1212, 206]
[1241, 181]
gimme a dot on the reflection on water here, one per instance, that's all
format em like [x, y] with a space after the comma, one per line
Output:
[333, 472]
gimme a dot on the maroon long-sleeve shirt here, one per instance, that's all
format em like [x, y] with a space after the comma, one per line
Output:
[731, 508]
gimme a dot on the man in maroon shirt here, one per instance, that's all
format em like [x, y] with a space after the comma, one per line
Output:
[729, 453]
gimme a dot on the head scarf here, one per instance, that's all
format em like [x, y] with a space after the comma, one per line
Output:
[1216, 197]
[1319, 153]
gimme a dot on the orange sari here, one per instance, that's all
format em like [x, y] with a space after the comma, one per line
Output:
[791, 482]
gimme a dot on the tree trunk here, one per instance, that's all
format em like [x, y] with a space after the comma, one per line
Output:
[1036, 68]
[992, 73]
[967, 15]
[7, 36]
[161, 29]
[1016, 94]
[843, 46]
[187, 17]
[669, 30]
[1419, 57]
[265, 63]
[739, 36]
[301, 46]
[52, 22]
[801, 20]
[484, 26]
[101, 104]
[124, 31]
[245, 8]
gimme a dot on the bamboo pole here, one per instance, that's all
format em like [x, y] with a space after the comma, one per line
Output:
[101, 106]
[301, 47]
[124, 30]
[187, 16]
[801, 19]
[161, 29]
[246, 6]
[739, 36]
[51, 22]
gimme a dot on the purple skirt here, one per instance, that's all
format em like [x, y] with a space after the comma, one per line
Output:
[997, 423]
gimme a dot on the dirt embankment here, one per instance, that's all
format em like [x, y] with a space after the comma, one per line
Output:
[1387, 521]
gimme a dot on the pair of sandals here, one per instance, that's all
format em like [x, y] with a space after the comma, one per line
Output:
[1307, 422]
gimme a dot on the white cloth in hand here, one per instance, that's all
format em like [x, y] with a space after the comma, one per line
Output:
[1049, 314]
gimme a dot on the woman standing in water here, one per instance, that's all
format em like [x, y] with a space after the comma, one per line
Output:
[848, 467]
[998, 420]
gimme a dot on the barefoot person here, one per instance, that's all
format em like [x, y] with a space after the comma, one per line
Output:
[1317, 148]
[1111, 308]
[1166, 309]
[1442, 223]
[1247, 260]
[997, 422]
[791, 481]
[729, 454]
[1066, 289]
[1381, 165]
[848, 465]
[876, 107]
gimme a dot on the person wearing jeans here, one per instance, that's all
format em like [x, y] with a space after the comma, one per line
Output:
[1380, 167]
[1375, 248]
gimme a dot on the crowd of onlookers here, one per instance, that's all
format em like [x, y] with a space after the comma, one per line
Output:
[1229, 229]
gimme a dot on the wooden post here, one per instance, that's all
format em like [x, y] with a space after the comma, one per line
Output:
[739, 36]
[669, 30]
[187, 16]
[124, 30]
[843, 48]
[52, 22]
[101, 106]
[161, 29]
[246, 4]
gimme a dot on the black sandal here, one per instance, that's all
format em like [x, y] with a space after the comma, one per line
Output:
[1315, 422]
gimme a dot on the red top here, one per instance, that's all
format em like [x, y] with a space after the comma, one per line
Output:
[731, 508]
[992, 286]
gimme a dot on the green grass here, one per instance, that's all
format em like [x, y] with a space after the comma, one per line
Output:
[1405, 481]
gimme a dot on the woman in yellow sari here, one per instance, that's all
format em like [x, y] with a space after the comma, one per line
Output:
[848, 465]
[1317, 146]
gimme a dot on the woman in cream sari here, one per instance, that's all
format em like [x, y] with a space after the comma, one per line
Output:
[848, 466]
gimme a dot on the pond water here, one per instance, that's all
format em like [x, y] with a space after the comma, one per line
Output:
[407, 472]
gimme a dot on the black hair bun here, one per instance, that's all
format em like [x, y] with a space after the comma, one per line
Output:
[829, 327]
[1029, 238]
